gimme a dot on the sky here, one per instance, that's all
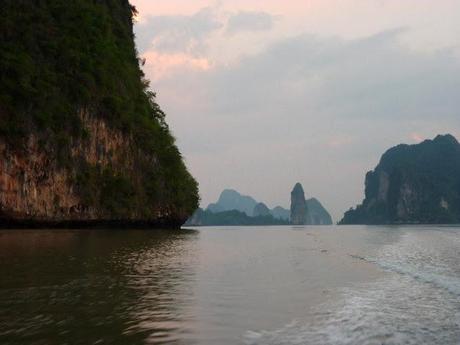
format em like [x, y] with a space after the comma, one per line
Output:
[262, 94]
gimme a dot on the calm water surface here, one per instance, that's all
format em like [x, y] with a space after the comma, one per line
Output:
[237, 285]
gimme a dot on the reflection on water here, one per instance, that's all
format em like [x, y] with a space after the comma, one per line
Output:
[94, 287]
[226, 286]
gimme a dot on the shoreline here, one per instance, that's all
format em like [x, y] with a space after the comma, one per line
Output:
[14, 224]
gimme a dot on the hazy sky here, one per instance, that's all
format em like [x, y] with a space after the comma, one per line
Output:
[265, 93]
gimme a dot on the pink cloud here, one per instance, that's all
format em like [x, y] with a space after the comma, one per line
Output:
[338, 142]
[416, 137]
[181, 7]
[168, 7]
[159, 65]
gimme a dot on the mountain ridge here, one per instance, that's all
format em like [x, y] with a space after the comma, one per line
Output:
[230, 199]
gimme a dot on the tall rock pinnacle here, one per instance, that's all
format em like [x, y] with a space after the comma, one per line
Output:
[298, 206]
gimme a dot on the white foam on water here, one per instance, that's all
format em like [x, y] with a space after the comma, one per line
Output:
[416, 303]
[386, 312]
[429, 260]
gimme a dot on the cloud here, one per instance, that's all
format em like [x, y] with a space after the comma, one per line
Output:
[374, 77]
[287, 114]
[177, 34]
[244, 21]
[416, 137]
[158, 65]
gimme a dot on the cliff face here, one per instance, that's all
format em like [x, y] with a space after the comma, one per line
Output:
[413, 184]
[82, 140]
[35, 187]
[298, 206]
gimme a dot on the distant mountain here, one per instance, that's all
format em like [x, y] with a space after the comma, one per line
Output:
[281, 213]
[261, 210]
[227, 218]
[232, 200]
[317, 214]
[413, 184]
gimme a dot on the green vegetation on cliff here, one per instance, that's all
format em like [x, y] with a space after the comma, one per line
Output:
[63, 58]
[413, 184]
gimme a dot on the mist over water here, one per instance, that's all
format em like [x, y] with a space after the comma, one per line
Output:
[236, 285]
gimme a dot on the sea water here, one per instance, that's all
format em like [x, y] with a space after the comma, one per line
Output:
[231, 285]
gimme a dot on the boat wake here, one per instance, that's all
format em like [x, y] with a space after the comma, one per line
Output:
[417, 302]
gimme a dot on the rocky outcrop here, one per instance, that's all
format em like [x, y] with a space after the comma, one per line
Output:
[316, 213]
[413, 184]
[38, 190]
[261, 210]
[82, 140]
[298, 206]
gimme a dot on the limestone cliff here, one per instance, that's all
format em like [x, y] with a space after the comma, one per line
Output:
[413, 184]
[82, 140]
[298, 206]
